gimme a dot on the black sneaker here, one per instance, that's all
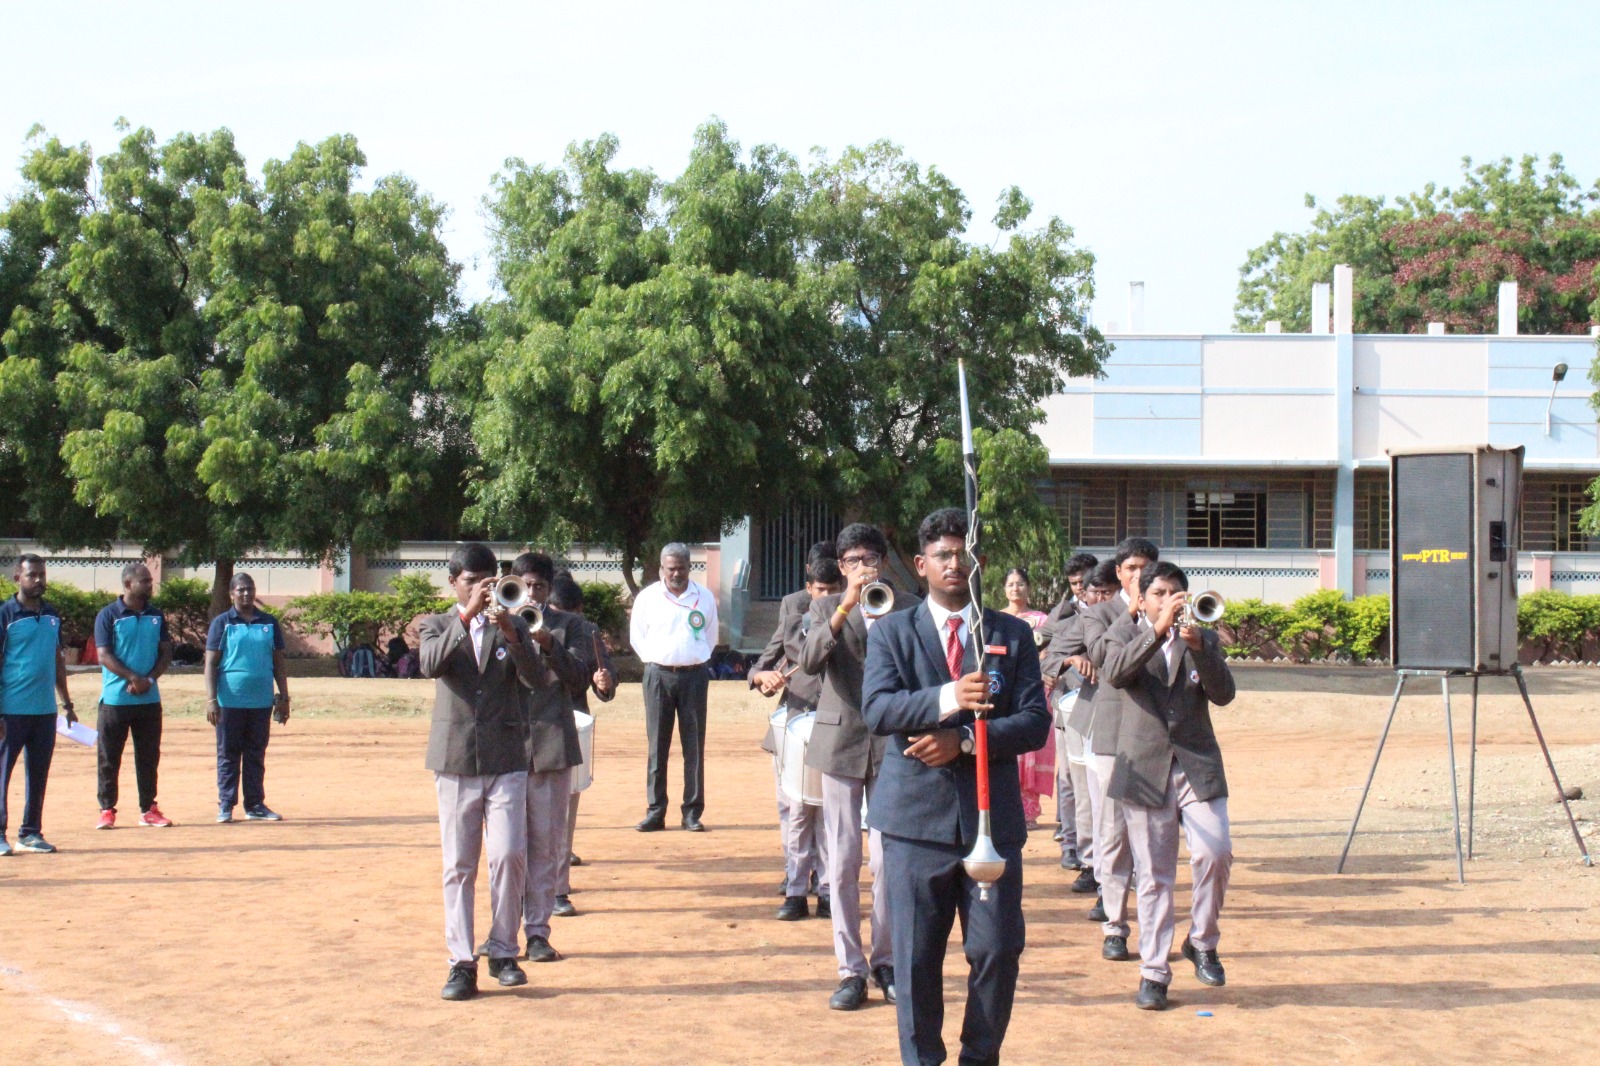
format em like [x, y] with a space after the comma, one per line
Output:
[1115, 949]
[262, 813]
[1085, 883]
[1152, 995]
[507, 972]
[563, 908]
[36, 843]
[1070, 860]
[463, 982]
[539, 950]
[1097, 913]
[794, 908]
[1207, 966]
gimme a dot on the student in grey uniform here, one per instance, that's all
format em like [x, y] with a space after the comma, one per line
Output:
[1113, 861]
[135, 650]
[244, 659]
[1075, 847]
[849, 755]
[585, 643]
[777, 670]
[1066, 664]
[552, 753]
[1169, 771]
[478, 752]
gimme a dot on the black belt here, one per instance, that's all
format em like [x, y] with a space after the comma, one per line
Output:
[678, 669]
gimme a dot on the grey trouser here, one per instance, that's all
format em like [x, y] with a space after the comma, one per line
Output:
[473, 808]
[804, 847]
[1153, 838]
[1074, 805]
[564, 874]
[548, 794]
[1113, 862]
[842, 799]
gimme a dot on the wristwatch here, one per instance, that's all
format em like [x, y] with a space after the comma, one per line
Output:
[969, 743]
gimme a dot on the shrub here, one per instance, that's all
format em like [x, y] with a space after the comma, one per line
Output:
[1365, 627]
[602, 605]
[78, 608]
[1557, 622]
[365, 617]
[186, 601]
[1252, 624]
[1314, 623]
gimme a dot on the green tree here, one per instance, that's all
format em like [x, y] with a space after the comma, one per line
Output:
[644, 376]
[909, 296]
[208, 363]
[1439, 255]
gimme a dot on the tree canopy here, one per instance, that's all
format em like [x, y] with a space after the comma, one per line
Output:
[1439, 255]
[668, 357]
[209, 363]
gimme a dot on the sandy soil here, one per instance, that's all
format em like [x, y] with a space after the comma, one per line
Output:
[319, 939]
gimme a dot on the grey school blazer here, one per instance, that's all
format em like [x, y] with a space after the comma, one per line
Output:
[1106, 700]
[480, 723]
[1166, 713]
[552, 730]
[841, 743]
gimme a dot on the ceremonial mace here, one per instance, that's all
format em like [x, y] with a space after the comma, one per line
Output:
[983, 863]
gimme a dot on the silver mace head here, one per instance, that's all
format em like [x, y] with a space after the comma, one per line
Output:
[983, 863]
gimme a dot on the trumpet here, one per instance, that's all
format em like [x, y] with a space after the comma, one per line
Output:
[1203, 608]
[511, 593]
[1038, 638]
[877, 600]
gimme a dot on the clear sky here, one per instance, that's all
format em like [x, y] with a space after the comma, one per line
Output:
[1171, 136]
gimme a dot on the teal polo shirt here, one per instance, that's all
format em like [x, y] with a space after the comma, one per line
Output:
[29, 644]
[134, 637]
[244, 670]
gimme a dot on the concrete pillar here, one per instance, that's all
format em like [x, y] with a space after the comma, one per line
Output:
[1319, 307]
[1135, 306]
[1328, 570]
[1344, 488]
[1543, 564]
[1508, 309]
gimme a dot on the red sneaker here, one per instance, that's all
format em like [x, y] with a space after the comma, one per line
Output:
[154, 818]
[108, 820]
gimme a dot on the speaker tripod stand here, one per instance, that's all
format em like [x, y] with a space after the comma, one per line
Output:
[1444, 677]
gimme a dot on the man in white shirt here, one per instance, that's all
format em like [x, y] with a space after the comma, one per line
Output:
[673, 630]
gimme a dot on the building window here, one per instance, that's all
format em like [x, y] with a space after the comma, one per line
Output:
[1552, 515]
[1372, 512]
[1226, 520]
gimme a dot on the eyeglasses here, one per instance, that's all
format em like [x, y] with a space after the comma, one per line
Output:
[871, 560]
[948, 557]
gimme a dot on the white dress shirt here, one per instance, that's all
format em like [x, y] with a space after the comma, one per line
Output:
[475, 630]
[660, 630]
[941, 625]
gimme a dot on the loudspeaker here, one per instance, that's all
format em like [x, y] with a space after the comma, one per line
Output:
[1453, 534]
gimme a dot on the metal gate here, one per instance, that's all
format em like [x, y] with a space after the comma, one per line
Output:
[785, 540]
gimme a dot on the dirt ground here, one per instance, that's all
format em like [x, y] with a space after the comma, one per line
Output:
[319, 939]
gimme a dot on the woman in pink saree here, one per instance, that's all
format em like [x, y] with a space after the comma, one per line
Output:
[1037, 769]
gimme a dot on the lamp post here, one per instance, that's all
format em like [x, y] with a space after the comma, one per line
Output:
[1556, 377]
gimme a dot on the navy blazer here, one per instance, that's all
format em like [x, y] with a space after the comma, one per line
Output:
[905, 670]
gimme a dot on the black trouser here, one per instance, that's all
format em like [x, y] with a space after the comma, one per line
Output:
[143, 720]
[242, 734]
[676, 695]
[927, 889]
[34, 736]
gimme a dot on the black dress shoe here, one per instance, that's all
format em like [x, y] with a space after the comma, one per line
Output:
[507, 972]
[653, 823]
[693, 824]
[1070, 860]
[1115, 949]
[813, 884]
[883, 977]
[462, 983]
[794, 908]
[1207, 966]
[1086, 883]
[1152, 995]
[824, 907]
[1097, 913]
[563, 908]
[539, 950]
[783, 887]
[852, 993]
[573, 860]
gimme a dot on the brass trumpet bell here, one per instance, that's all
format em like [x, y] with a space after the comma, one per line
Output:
[877, 600]
[1204, 608]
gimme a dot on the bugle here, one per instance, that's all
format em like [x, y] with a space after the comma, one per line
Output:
[877, 600]
[511, 593]
[1204, 608]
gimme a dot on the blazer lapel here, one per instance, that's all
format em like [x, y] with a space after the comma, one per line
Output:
[931, 644]
[491, 635]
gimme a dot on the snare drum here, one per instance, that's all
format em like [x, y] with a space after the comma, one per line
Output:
[801, 783]
[583, 773]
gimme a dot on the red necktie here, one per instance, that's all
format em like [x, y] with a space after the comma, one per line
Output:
[952, 648]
